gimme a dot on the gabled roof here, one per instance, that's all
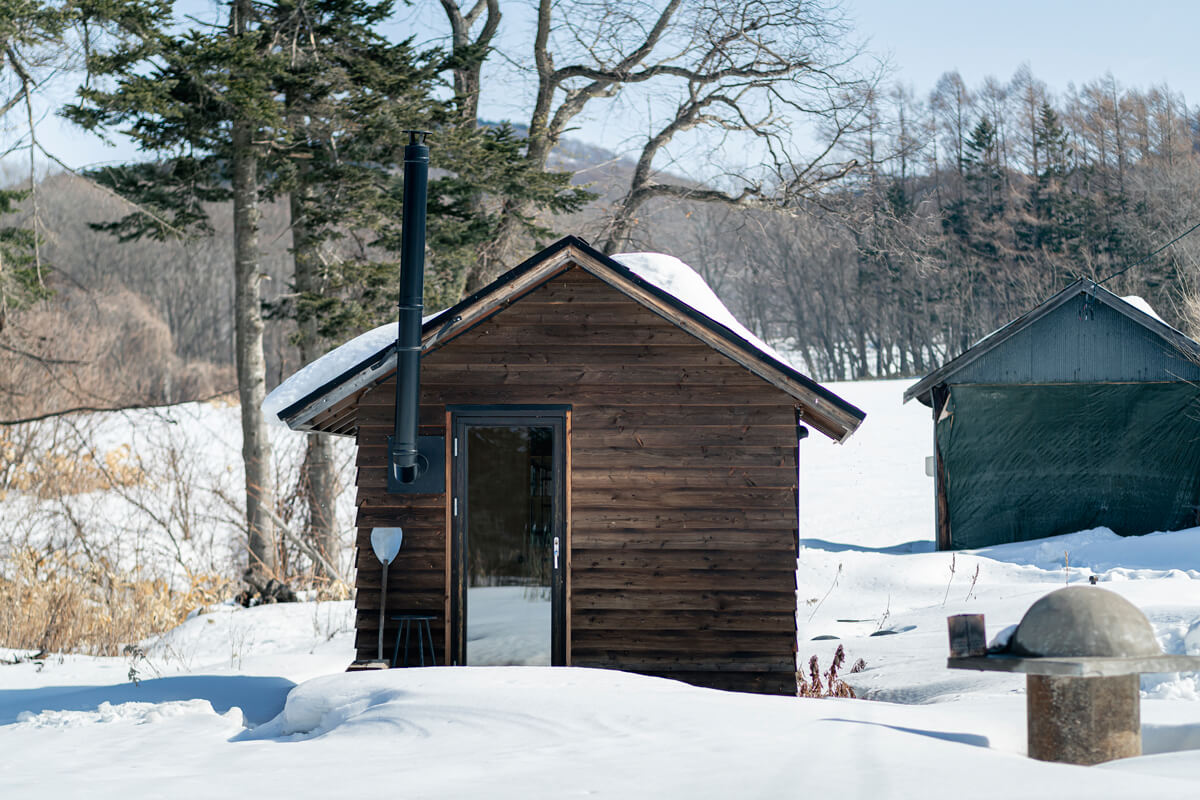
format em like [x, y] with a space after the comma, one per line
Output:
[1132, 311]
[375, 353]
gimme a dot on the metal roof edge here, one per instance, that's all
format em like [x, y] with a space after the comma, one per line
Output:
[344, 384]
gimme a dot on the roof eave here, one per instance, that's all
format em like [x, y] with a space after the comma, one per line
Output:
[300, 413]
[820, 408]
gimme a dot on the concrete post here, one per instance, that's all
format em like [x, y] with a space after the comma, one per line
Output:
[1083, 720]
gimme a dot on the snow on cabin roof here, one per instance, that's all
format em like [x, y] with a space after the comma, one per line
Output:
[359, 351]
[683, 283]
[1141, 305]
[371, 356]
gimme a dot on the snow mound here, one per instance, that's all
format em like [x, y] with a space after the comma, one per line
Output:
[323, 704]
[132, 713]
[225, 634]
[422, 702]
[1162, 554]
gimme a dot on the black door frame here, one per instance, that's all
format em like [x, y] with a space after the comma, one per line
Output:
[540, 416]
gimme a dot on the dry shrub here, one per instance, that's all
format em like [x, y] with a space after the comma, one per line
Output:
[59, 603]
[195, 380]
[96, 350]
[1189, 311]
[833, 685]
[58, 470]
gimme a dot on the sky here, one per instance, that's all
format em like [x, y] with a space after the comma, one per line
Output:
[1142, 44]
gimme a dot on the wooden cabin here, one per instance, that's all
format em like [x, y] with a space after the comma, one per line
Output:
[619, 487]
[1084, 412]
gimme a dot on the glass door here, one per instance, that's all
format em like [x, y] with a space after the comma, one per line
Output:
[509, 559]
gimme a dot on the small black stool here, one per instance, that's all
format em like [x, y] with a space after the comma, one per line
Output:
[424, 633]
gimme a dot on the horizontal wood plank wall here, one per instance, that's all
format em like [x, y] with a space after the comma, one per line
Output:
[683, 507]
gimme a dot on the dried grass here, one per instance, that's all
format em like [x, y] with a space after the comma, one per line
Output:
[832, 684]
[114, 532]
[57, 602]
[60, 470]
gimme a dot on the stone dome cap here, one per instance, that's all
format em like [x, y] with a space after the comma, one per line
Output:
[1084, 621]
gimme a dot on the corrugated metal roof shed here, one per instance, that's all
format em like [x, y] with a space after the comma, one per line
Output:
[1084, 412]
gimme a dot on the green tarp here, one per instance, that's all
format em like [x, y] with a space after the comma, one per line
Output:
[1023, 462]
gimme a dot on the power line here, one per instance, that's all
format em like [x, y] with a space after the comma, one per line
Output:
[1146, 258]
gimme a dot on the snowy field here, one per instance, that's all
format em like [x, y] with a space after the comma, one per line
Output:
[254, 702]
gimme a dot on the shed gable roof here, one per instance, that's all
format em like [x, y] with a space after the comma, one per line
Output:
[820, 408]
[1177, 356]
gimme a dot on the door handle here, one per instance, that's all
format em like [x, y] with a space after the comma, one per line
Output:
[556, 552]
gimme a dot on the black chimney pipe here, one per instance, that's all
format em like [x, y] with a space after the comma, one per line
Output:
[406, 461]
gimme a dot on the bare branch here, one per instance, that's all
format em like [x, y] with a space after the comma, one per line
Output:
[305, 547]
[137, 206]
[96, 409]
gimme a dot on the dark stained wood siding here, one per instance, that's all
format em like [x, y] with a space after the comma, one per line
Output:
[682, 506]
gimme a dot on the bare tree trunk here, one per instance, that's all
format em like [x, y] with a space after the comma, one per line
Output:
[470, 54]
[469, 57]
[320, 488]
[248, 332]
[319, 481]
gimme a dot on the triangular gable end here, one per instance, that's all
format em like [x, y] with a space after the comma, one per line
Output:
[330, 407]
[1170, 344]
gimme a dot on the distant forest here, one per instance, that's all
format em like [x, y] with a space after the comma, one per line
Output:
[968, 207]
[973, 205]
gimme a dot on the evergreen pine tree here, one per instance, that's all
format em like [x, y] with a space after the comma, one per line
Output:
[21, 280]
[1051, 198]
[203, 99]
[982, 171]
[309, 99]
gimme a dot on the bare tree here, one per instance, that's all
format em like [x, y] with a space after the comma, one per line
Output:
[751, 73]
[952, 105]
[741, 70]
[469, 53]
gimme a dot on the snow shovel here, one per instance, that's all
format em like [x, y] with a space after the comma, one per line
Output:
[386, 544]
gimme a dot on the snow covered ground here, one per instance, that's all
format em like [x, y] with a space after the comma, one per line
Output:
[178, 513]
[255, 703]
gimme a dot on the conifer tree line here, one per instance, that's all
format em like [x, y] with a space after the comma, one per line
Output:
[973, 205]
